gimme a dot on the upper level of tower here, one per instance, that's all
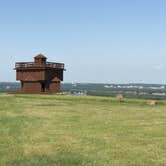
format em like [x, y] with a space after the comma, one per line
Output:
[40, 61]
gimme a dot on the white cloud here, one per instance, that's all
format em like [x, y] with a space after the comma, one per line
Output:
[158, 67]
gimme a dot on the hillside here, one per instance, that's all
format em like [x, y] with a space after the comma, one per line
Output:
[81, 131]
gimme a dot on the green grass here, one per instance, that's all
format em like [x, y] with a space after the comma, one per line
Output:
[46, 130]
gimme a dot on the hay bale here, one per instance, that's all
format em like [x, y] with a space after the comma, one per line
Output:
[120, 97]
[152, 102]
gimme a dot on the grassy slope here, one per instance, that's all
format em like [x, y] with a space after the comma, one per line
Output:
[68, 131]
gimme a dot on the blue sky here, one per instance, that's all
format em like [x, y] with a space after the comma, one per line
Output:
[110, 41]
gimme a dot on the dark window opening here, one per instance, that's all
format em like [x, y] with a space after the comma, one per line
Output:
[22, 85]
[43, 87]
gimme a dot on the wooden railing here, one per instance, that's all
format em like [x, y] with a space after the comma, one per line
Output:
[36, 65]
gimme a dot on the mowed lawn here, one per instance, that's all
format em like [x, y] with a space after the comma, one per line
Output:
[46, 130]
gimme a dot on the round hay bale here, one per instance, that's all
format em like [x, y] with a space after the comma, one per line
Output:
[152, 102]
[119, 97]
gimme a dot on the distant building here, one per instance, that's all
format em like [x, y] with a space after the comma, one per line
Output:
[39, 76]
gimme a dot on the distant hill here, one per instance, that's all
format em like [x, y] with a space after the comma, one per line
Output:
[131, 90]
[9, 86]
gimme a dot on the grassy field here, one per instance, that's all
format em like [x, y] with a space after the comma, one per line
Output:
[46, 130]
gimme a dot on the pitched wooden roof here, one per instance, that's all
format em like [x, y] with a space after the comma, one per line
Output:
[40, 56]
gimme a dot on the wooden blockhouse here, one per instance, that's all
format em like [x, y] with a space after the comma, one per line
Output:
[39, 76]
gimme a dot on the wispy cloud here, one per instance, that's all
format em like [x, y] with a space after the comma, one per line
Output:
[158, 67]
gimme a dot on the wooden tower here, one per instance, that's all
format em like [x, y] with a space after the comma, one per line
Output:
[39, 76]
